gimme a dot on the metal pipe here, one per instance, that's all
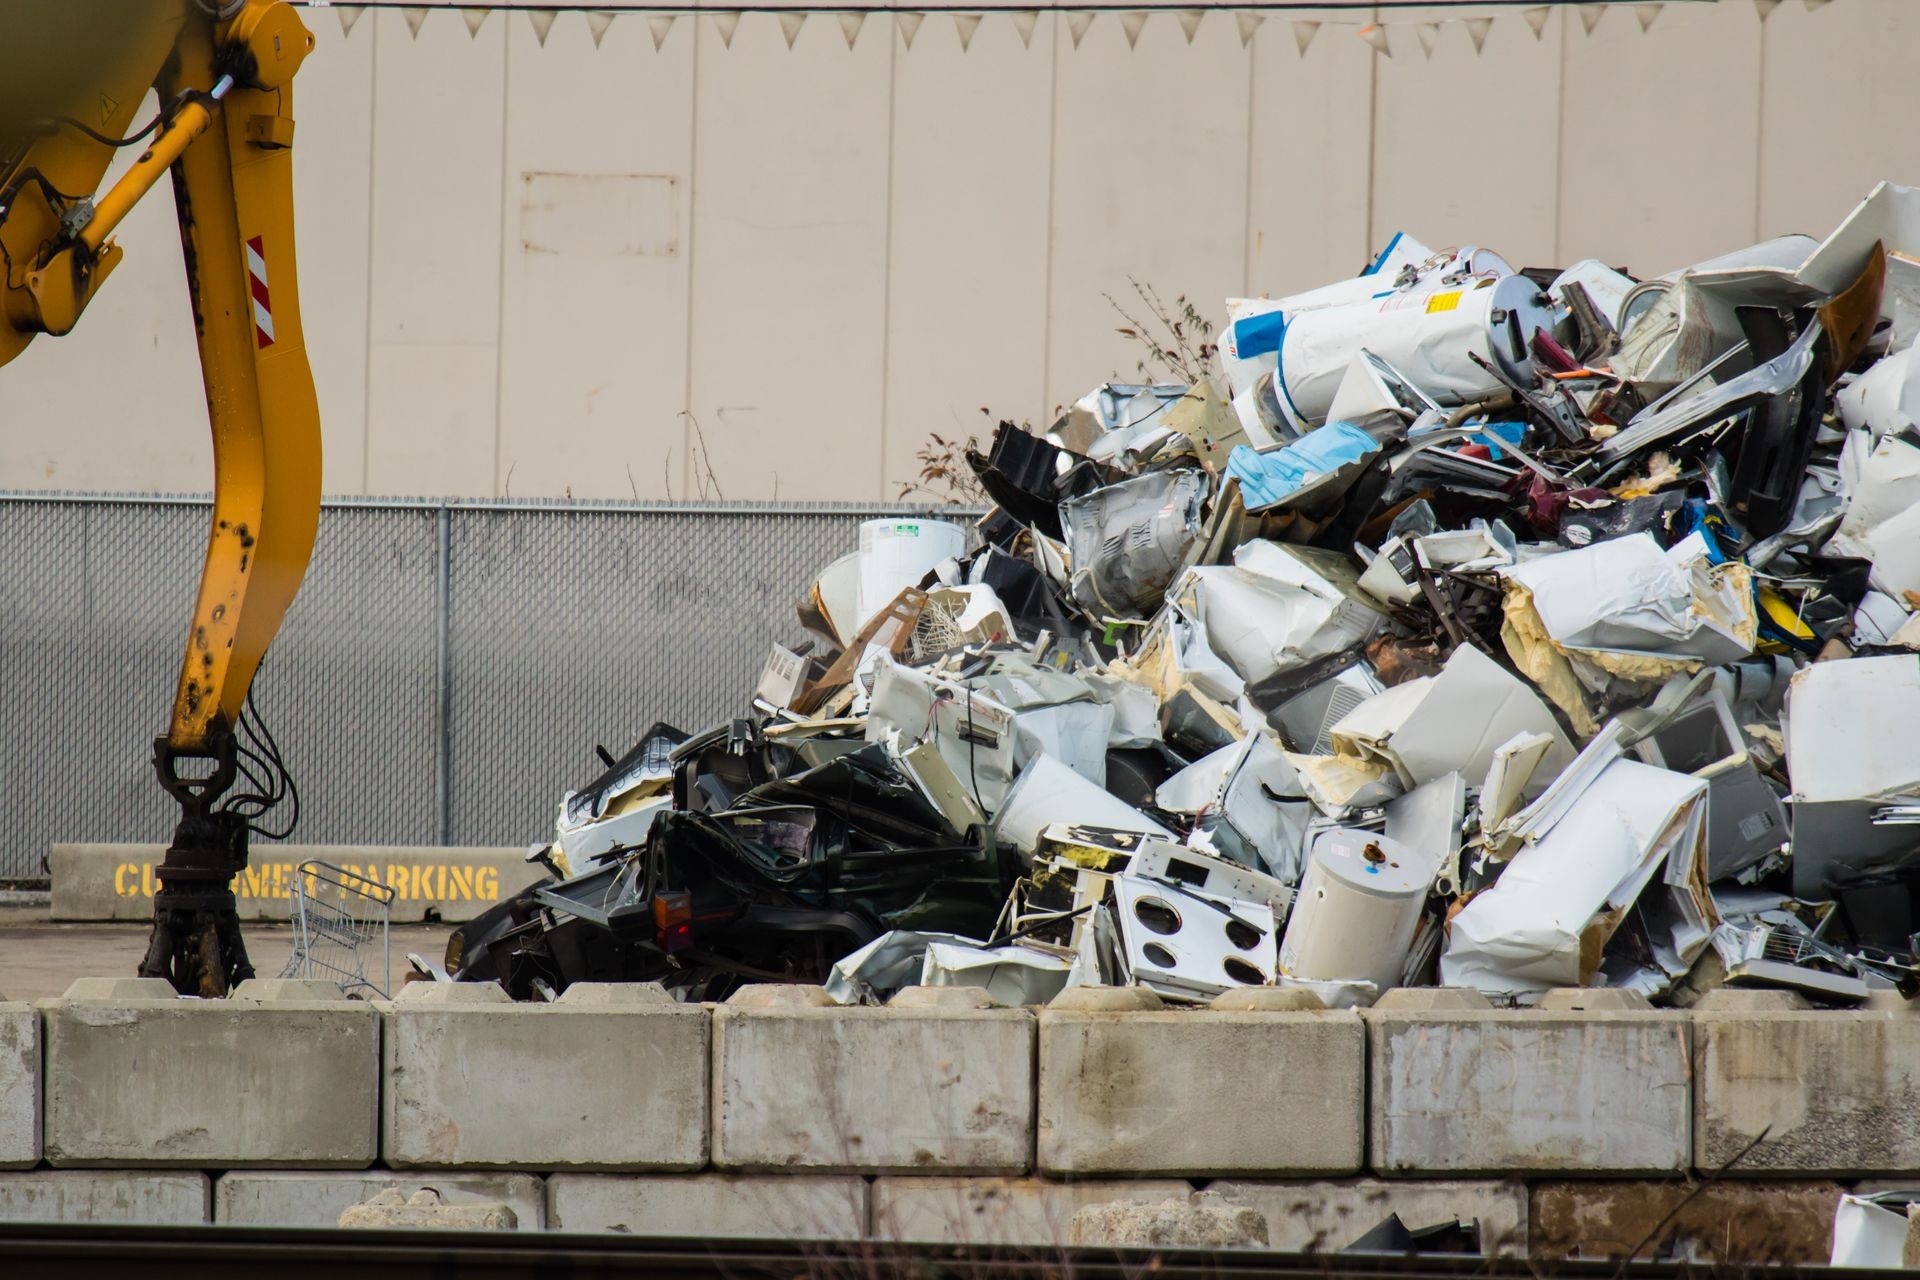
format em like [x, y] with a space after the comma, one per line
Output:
[176, 135]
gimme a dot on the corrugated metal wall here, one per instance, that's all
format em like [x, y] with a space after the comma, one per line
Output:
[418, 697]
[811, 256]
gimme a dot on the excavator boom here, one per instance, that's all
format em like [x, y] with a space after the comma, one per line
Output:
[72, 75]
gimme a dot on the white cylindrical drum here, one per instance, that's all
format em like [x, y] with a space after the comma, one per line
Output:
[1357, 908]
[1431, 338]
[1405, 268]
[896, 554]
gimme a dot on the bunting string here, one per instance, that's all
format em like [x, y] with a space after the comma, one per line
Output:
[1380, 30]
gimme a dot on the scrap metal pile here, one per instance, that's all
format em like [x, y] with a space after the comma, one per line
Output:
[1500, 629]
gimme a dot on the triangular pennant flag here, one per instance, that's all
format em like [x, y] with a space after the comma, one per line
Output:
[1429, 33]
[1590, 15]
[598, 20]
[850, 24]
[1077, 24]
[790, 24]
[1478, 28]
[474, 18]
[1303, 34]
[350, 14]
[1132, 24]
[1766, 7]
[415, 14]
[1190, 22]
[659, 24]
[1376, 35]
[542, 20]
[726, 24]
[909, 24]
[965, 24]
[1814, 5]
[1647, 13]
[1248, 24]
[1023, 22]
[1536, 18]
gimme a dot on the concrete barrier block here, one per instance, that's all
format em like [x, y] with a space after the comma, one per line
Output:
[873, 1090]
[1201, 1220]
[1201, 1092]
[121, 987]
[1106, 1000]
[1430, 999]
[1592, 1000]
[1730, 1221]
[278, 990]
[425, 1210]
[464, 993]
[751, 1205]
[105, 1195]
[542, 1086]
[1751, 1000]
[781, 995]
[211, 1083]
[1838, 1091]
[1325, 1217]
[429, 882]
[1498, 1091]
[19, 1086]
[1267, 1000]
[302, 1198]
[1018, 1212]
[623, 994]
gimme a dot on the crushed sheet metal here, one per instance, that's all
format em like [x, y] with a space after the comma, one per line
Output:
[1589, 604]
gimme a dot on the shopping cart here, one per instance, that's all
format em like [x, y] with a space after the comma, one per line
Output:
[338, 920]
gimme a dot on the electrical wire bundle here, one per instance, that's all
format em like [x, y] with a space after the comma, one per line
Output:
[257, 756]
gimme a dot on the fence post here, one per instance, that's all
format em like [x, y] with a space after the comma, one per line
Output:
[443, 768]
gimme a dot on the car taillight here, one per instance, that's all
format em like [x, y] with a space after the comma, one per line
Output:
[673, 920]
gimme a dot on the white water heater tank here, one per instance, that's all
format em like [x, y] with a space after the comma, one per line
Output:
[1357, 908]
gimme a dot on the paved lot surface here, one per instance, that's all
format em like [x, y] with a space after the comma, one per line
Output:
[39, 958]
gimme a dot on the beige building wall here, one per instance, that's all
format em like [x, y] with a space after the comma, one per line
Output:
[757, 271]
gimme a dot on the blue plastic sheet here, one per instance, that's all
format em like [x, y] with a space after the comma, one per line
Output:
[1268, 479]
[1495, 434]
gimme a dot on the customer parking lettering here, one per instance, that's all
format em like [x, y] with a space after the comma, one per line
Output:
[414, 882]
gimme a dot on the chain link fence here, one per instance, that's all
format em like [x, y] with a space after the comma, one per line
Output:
[442, 679]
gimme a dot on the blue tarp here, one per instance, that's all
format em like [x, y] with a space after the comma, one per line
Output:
[1268, 479]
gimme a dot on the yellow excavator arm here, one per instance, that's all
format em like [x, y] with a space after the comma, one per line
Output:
[72, 75]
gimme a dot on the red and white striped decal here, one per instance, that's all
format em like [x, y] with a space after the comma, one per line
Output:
[257, 281]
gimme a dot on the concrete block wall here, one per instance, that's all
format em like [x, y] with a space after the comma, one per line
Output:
[1201, 1092]
[610, 1077]
[1016, 1212]
[1732, 1220]
[1485, 1091]
[286, 1073]
[802, 1085]
[315, 1198]
[779, 1205]
[1568, 1129]
[176, 1198]
[1835, 1094]
[19, 1086]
